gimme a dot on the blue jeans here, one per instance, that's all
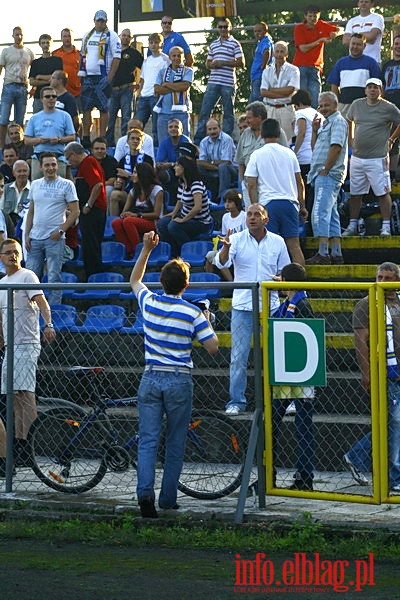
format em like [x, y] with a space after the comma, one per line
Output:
[255, 94]
[144, 110]
[177, 234]
[162, 124]
[170, 394]
[211, 96]
[360, 454]
[13, 94]
[241, 334]
[53, 252]
[119, 99]
[325, 217]
[304, 430]
[310, 79]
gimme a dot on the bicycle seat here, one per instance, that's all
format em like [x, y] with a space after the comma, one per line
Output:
[77, 370]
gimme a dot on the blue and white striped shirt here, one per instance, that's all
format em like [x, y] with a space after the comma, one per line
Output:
[170, 326]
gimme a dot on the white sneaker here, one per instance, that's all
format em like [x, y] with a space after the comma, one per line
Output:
[232, 411]
[350, 230]
[395, 489]
[385, 231]
[356, 474]
[291, 409]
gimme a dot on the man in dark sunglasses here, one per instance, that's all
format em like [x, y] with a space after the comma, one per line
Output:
[49, 130]
[225, 55]
[172, 38]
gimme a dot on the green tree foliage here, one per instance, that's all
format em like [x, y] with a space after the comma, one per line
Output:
[333, 50]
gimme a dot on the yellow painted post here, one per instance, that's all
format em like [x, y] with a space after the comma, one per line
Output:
[370, 289]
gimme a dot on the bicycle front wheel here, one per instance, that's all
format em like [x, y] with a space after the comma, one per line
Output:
[68, 452]
[214, 457]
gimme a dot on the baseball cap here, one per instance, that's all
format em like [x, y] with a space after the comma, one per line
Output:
[100, 15]
[188, 149]
[374, 80]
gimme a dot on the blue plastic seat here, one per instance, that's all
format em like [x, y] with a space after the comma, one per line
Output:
[65, 278]
[63, 317]
[137, 327]
[103, 318]
[159, 256]
[101, 294]
[152, 277]
[195, 252]
[78, 261]
[191, 294]
[108, 230]
[114, 253]
[206, 236]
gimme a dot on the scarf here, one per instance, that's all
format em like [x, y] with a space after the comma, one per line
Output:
[287, 309]
[179, 99]
[391, 360]
[129, 164]
[102, 51]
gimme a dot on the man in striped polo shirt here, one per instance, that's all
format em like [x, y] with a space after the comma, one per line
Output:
[170, 326]
[225, 55]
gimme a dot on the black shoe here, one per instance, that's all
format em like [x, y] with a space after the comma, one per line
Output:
[22, 453]
[3, 468]
[302, 482]
[174, 507]
[147, 508]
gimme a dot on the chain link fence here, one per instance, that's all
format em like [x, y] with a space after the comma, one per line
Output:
[342, 412]
[111, 339]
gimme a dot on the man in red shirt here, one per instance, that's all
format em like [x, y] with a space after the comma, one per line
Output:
[310, 36]
[91, 189]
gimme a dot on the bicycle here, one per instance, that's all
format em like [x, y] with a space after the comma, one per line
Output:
[73, 447]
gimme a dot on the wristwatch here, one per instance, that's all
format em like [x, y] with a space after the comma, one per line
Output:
[49, 325]
[87, 205]
[61, 232]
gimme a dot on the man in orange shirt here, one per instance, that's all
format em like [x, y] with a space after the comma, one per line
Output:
[310, 36]
[70, 56]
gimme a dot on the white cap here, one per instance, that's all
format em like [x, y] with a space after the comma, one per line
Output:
[374, 80]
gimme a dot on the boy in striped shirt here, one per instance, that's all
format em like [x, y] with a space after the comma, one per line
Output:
[170, 326]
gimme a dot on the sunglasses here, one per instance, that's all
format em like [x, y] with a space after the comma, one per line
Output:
[50, 96]
[223, 26]
[166, 22]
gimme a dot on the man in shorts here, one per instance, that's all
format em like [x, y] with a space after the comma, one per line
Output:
[101, 55]
[28, 304]
[372, 119]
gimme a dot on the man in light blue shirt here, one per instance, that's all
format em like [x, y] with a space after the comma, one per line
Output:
[262, 58]
[217, 151]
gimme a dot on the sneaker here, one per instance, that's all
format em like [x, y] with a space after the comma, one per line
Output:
[337, 260]
[319, 259]
[302, 482]
[361, 227]
[174, 507]
[356, 474]
[147, 508]
[232, 411]
[291, 409]
[385, 231]
[350, 230]
[395, 489]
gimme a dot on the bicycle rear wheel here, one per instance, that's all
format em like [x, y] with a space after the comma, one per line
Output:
[214, 457]
[68, 455]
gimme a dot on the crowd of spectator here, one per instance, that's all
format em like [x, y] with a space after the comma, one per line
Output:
[150, 182]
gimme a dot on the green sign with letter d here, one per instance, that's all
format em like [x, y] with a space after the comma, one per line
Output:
[296, 352]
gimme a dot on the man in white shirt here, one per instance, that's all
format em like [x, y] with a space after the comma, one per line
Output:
[145, 98]
[371, 25]
[278, 84]
[27, 304]
[258, 255]
[274, 180]
[122, 147]
[52, 198]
